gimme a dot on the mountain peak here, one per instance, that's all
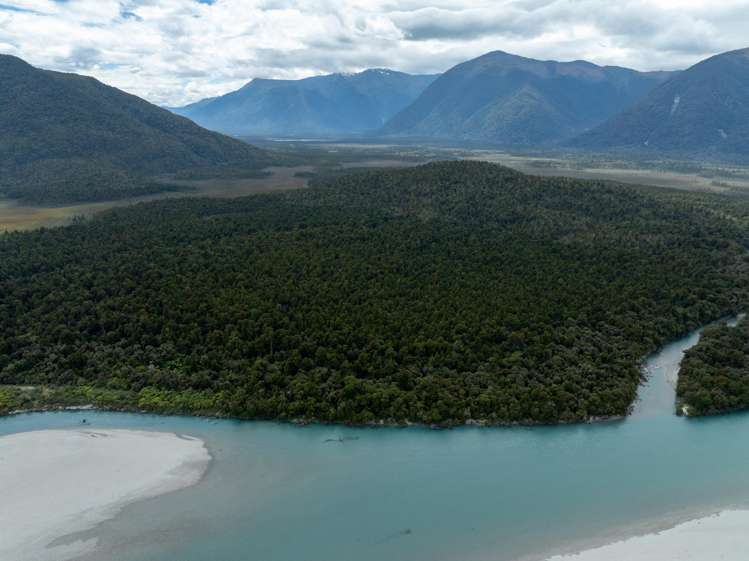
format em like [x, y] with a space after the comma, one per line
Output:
[367, 72]
[499, 54]
[739, 55]
[380, 71]
[11, 61]
[503, 56]
[738, 52]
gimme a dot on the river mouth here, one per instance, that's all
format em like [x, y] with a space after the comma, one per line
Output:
[326, 493]
[657, 394]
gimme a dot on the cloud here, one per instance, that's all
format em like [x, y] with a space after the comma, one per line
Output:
[461, 24]
[176, 51]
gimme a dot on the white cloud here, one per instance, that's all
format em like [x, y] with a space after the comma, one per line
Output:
[176, 51]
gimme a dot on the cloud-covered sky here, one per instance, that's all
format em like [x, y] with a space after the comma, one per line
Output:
[176, 51]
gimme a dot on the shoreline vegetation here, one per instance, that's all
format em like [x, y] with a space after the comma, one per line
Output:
[439, 294]
[23, 401]
[714, 375]
[20, 400]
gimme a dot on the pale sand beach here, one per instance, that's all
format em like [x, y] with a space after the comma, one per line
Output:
[722, 537]
[55, 483]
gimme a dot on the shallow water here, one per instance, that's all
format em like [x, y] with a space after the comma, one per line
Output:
[277, 492]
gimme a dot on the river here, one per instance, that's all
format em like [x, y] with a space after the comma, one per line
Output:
[277, 492]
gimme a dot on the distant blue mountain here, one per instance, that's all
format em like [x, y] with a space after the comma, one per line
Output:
[505, 99]
[337, 104]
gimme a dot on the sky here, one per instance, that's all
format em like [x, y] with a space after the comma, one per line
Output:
[172, 52]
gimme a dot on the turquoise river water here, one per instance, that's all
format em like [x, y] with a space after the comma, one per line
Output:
[277, 492]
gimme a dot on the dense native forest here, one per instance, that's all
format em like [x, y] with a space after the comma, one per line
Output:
[714, 374]
[76, 181]
[438, 294]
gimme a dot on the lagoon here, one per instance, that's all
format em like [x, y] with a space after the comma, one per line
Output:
[277, 492]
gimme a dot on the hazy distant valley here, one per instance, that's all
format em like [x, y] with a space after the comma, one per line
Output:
[563, 114]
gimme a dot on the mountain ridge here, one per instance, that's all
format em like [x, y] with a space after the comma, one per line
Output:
[332, 104]
[65, 134]
[507, 99]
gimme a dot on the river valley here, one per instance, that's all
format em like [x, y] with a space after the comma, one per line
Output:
[277, 492]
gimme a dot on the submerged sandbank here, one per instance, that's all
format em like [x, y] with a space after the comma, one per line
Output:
[55, 483]
[722, 536]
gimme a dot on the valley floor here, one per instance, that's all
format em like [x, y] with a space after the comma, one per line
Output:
[15, 215]
[322, 158]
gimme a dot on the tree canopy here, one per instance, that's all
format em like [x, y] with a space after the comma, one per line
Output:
[714, 374]
[439, 294]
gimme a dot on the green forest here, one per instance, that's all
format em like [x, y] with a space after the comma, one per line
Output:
[62, 182]
[714, 374]
[451, 292]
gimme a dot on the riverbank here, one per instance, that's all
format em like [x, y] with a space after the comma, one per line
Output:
[378, 423]
[722, 536]
[57, 483]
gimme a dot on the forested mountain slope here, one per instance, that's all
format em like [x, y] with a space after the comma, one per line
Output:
[65, 137]
[438, 294]
[505, 99]
[702, 112]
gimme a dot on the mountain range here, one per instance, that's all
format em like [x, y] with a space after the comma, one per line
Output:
[336, 104]
[510, 100]
[65, 137]
[702, 112]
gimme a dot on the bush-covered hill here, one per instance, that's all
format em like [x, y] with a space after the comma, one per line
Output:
[714, 375]
[443, 293]
[66, 138]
